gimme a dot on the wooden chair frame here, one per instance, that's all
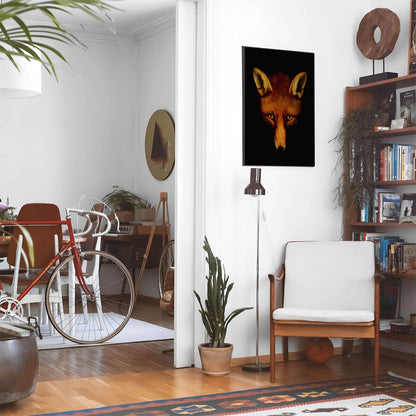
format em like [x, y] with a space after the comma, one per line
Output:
[286, 328]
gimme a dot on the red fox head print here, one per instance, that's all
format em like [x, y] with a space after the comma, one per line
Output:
[280, 101]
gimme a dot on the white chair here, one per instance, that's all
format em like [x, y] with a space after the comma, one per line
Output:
[330, 289]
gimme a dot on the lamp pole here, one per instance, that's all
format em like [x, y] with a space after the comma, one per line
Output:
[256, 189]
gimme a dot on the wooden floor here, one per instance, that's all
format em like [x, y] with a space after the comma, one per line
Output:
[88, 377]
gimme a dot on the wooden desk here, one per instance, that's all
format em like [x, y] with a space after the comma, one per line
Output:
[130, 248]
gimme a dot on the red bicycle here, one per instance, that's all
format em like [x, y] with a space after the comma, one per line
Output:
[89, 295]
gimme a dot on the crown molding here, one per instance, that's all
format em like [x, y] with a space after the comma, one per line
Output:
[134, 35]
[156, 27]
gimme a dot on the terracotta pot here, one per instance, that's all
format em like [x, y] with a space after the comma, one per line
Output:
[215, 361]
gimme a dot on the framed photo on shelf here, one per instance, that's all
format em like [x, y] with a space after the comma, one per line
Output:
[278, 107]
[412, 38]
[408, 208]
[406, 105]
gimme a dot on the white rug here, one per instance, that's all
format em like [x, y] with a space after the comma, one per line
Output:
[134, 331]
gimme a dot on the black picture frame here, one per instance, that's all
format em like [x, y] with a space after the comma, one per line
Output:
[259, 147]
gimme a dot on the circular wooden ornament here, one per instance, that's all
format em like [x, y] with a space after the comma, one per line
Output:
[160, 144]
[389, 25]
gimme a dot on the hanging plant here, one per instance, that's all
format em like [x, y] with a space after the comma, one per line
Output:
[358, 156]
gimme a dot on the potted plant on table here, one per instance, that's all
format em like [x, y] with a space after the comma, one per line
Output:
[145, 211]
[216, 354]
[123, 202]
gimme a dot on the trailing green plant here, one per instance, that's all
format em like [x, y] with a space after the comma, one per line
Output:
[357, 154]
[122, 200]
[33, 41]
[213, 310]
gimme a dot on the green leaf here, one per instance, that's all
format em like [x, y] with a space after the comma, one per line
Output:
[17, 40]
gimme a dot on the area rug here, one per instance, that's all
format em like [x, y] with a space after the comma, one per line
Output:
[134, 331]
[348, 397]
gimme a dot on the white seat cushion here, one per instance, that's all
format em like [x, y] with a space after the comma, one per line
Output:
[323, 315]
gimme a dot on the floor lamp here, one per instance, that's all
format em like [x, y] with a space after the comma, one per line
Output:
[256, 189]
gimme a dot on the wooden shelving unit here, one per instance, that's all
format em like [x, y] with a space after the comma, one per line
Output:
[361, 97]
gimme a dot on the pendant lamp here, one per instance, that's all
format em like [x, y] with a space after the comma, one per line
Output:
[20, 83]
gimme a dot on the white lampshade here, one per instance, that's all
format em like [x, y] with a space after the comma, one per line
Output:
[20, 84]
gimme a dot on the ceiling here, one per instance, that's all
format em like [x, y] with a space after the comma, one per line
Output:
[130, 17]
[139, 14]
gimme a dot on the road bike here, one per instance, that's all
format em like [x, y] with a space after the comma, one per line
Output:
[89, 295]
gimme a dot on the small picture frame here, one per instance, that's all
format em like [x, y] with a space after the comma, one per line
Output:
[397, 123]
[406, 105]
[408, 208]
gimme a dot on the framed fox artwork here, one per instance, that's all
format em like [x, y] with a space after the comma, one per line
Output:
[278, 107]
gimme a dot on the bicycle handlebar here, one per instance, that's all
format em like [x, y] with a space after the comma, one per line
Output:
[87, 214]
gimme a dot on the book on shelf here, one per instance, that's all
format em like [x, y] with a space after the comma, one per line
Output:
[397, 162]
[408, 208]
[388, 259]
[401, 255]
[388, 207]
[408, 256]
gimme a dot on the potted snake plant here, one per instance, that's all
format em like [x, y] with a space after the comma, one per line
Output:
[216, 354]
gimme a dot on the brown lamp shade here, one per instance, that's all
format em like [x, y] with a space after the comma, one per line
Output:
[255, 187]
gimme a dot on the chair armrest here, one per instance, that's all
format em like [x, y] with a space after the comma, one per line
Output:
[280, 277]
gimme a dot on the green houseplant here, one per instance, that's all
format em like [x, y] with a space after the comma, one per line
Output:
[216, 355]
[357, 155]
[37, 41]
[124, 203]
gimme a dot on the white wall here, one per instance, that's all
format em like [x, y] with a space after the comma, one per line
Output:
[156, 91]
[78, 136]
[94, 122]
[299, 201]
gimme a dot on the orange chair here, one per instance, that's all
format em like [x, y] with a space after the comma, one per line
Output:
[46, 241]
[330, 290]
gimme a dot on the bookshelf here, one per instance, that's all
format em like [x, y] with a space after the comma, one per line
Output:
[361, 97]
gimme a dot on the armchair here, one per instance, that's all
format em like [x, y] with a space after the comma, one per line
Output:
[330, 289]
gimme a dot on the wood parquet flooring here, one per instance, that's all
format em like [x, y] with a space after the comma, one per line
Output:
[89, 377]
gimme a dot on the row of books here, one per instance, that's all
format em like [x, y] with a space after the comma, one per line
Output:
[388, 206]
[397, 162]
[392, 253]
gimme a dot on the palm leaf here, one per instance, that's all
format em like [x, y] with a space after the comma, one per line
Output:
[28, 40]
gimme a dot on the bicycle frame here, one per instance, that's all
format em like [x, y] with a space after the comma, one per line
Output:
[70, 245]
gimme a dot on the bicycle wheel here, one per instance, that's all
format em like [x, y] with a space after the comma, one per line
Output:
[84, 319]
[166, 262]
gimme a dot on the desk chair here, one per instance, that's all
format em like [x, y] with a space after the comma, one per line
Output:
[330, 289]
[46, 242]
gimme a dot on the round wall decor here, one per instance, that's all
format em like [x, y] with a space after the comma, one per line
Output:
[160, 144]
[389, 25]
